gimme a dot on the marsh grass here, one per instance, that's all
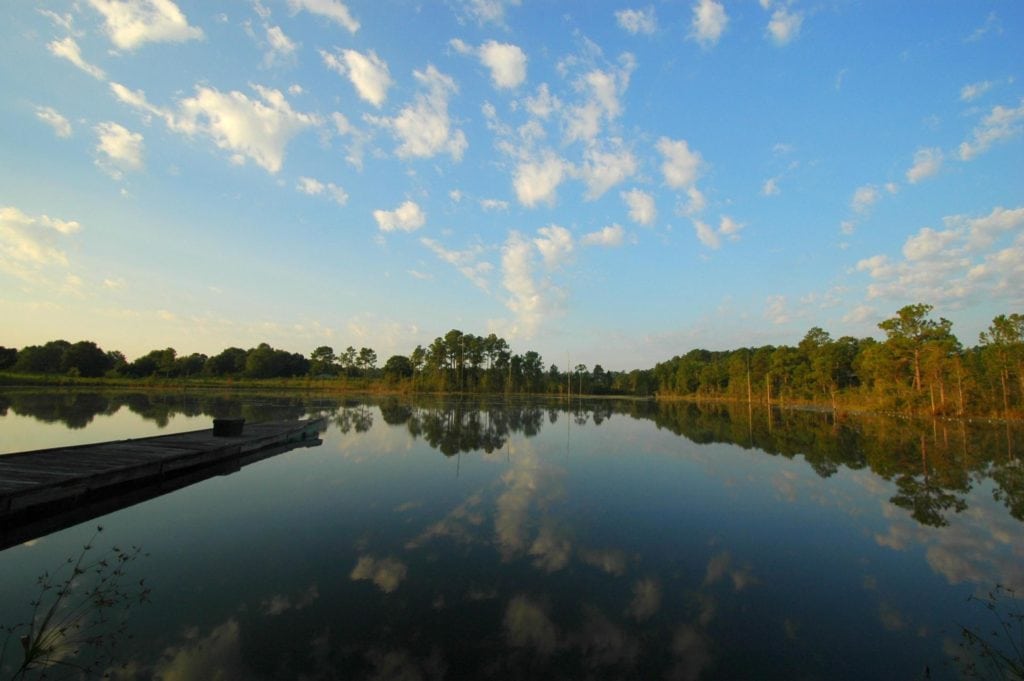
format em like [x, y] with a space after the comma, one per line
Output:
[79, 617]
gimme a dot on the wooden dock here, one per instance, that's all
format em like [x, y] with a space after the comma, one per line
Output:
[47, 489]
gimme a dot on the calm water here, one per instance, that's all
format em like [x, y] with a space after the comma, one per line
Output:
[492, 539]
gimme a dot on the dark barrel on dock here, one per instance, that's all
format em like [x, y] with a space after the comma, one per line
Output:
[228, 427]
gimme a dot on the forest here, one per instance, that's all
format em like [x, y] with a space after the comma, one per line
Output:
[920, 367]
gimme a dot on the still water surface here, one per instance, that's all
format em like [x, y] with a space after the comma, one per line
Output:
[513, 539]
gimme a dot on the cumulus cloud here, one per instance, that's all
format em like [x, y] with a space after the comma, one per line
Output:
[927, 162]
[637, 20]
[68, 49]
[313, 187]
[530, 300]
[776, 310]
[408, 217]
[466, 261]
[681, 166]
[695, 201]
[507, 63]
[132, 23]
[864, 197]
[1001, 124]
[784, 26]
[527, 625]
[537, 181]
[770, 187]
[255, 129]
[543, 104]
[610, 236]
[50, 116]
[706, 234]
[334, 10]
[971, 91]
[424, 128]
[555, 245]
[119, 149]
[641, 206]
[602, 170]
[602, 90]
[970, 258]
[709, 22]
[281, 46]
[368, 73]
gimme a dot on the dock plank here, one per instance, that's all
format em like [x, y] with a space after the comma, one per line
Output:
[36, 479]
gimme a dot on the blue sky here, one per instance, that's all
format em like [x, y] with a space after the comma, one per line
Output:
[615, 183]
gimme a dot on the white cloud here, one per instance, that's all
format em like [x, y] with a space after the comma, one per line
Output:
[555, 245]
[313, 187]
[610, 236]
[368, 73]
[927, 162]
[280, 44]
[253, 129]
[711, 237]
[859, 314]
[776, 311]
[730, 228]
[423, 128]
[467, 262]
[971, 91]
[681, 166]
[408, 217]
[603, 170]
[28, 247]
[331, 9]
[1001, 124]
[488, 11]
[537, 181]
[544, 103]
[120, 149]
[695, 201]
[50, 116]
[68, 49]
[969, 260]
[770, 187]
[706, 234]
[784, 26]
[132, 23]
[493, 204]
[602, 90]
[506, 62]
[641, 206]
[530, 301]
[637, 20]
[864, 197]
[709, 22]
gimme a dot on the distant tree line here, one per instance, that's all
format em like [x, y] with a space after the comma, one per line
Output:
[919, 367]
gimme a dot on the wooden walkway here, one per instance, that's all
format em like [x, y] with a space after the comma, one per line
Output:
[40, 488]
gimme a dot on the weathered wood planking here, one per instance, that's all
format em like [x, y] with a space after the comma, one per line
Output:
[50, 482]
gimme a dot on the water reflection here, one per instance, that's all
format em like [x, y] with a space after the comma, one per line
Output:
[613, 539]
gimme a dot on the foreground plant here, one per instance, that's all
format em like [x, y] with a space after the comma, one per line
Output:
[78, 618]
[999, 652]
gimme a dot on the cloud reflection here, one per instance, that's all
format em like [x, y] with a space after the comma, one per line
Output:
[386, 573]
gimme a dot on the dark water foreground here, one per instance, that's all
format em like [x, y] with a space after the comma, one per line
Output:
[492, 539]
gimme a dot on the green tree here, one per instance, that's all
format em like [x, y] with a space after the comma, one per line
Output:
[398, 367]
[323, 361]
[907, 334]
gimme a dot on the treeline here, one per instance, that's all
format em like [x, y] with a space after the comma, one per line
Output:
[920, 367]
[455, 362]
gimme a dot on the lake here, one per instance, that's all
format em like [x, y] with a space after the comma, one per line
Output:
[488, 538]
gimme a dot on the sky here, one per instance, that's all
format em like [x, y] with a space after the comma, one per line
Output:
[601, 182]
